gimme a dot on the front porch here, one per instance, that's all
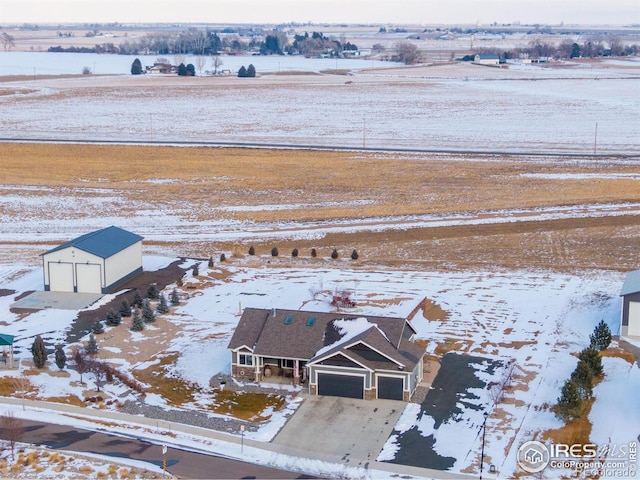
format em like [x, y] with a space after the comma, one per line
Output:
[246, 366]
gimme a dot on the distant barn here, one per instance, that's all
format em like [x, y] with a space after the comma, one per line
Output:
[97, 262]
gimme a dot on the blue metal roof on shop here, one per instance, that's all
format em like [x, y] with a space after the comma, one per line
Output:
[631, 283]
[6, 339]
[103, 243]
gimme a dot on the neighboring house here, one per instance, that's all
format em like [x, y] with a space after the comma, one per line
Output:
[487, 59]
[333, 353]
[97, 262]
[161, 68]
[630, 293]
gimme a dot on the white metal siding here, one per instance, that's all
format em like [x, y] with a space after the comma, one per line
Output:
[123, 263]
[89, 278]
[634, 319]
[61, 276]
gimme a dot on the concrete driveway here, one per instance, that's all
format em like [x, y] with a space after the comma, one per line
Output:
[60, 300]
[343, 429]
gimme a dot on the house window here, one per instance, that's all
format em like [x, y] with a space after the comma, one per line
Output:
[287, 363]
[245, 359]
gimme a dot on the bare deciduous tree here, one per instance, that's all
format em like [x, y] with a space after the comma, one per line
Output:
[407, 53]
[8, 41]
[216, 63]
[13, 430]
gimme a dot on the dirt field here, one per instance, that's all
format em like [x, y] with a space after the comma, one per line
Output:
[493, 211]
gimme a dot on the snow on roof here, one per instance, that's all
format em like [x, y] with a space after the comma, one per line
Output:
[631, 283]
[349, 329]
[103, 243]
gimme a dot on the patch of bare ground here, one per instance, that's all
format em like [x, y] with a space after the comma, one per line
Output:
[379, 189]
[432, 311]
[618, 353]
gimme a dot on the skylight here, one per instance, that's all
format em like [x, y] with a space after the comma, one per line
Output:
[288, 319]
[311, 321]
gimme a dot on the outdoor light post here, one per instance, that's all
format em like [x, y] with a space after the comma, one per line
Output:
[484, 429]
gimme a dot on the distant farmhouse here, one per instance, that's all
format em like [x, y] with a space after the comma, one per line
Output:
[97, 262]
[630, 293]
[335, 354]
[492, 59]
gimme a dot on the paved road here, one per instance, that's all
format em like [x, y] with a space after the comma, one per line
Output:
[180, 463]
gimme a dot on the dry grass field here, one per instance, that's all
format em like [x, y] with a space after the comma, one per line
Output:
[296, 191]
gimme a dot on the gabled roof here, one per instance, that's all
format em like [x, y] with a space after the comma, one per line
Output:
[289, 334]
[631, 283]
[488, 56]
[103, 243]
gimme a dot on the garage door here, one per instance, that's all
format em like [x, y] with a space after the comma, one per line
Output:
[60, 277]
[390, 388]
[88, 278]
[634, 319]
[340, 385]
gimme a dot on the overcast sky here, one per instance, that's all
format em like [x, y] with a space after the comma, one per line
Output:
[616, 12]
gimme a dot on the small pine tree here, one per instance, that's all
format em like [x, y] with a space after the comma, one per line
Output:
[252, 251]
[125, 309]
[592, 358]
[61, 357]
[569, 402]
[136, 67]
[251, 71]
[334, 254]
[583, 378]
[223, 258]
[98, 328]
[242, 72]
[137, 299]
[137, 324]
[314, 253]
[354, 255]
[113, 319]
[175, 299]
[162, 304]
[39, 352]
[601, 336]
[274, 252]
[294, 252]
[196, 270]
[210, 264]
[152, 291]
[147, 312]
[92, 345]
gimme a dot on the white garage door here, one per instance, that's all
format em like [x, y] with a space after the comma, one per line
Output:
[634, 319]
[60, 277]
[88, 278]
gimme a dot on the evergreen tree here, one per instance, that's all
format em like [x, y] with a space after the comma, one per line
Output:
[583, 378]
[601, 336]
[569, 402]
[575, 51]
[39, 352]
[61, 357]
[354, 255]
[223, 258]
[182, 70]
[137, 325]
[175, 299]
[125, 309]
[147, 312]
[334, 254]
[92, 345]
[152, 291]
[196, 269]
[314, 254]
[242, 73]
[294, 252]
[274, 252]
[113, 319]
[252, 251]
[251, 71]
[592, 358]
[191, 70]
[210, 264]
[98, 328]
[137, 299]
[162, 304]
[136, 67]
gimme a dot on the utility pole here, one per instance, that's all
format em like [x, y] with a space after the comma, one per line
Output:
[595, 140]
[484, 429]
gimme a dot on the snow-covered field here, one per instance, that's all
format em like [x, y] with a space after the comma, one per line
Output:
[451, 106]
[538, 319]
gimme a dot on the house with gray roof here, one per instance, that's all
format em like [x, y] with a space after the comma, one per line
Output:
[96, 262]
[630, 293]
[356, 356]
